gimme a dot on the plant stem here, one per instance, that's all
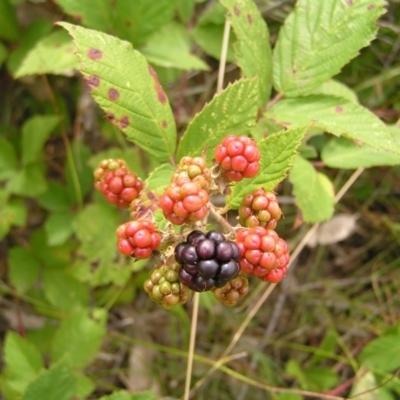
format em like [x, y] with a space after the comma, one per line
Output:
[193, 329]
[224, 52]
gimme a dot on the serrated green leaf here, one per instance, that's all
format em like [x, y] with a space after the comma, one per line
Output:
[137, 20]
[127, 89]
[335, 115]
[23, 268]
[9, 28]
[29, 182]
[98, 261]
[382, 353]
[337, 89]
[253, 51]
[277, 153]
[51, 256]
[23, 362]
[78, 340]
[58, 383]
[35, 131]
[37, 30]
[95, 14]
[233, 111]
[313, 191]
[8, 159]
[64, 291]
[55, 198]
[54, 54]
[170, 48]
[344, 153]
[160, 178]
[209, 31]
[318, 39]
[58, 227]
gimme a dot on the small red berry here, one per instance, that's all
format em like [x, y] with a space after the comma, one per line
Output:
[238, 156]
[137, 239]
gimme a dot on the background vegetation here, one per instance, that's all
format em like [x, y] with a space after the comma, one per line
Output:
[75, 322]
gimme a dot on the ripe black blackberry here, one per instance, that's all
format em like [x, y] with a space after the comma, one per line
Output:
[207, 260]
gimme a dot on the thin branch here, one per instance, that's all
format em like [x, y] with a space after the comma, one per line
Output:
[193, 329]
[224, 52]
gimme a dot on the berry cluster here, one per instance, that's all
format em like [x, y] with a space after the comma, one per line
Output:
[185, 199]
[163, 286]
[207, 260]
[233, 291]
[137, 239]
[262, 253]
[238, 157]
[259, 208]
[119, 185]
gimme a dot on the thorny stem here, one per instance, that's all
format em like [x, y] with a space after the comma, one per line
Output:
[272, 286]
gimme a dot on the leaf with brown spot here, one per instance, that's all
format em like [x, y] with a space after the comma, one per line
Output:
[131, 96]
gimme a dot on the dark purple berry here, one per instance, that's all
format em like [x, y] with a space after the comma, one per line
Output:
[206, 249]
[186, 279]
[190, 269]
[207, 268]
[178, 251]
[224, 251]
[189, 254]
[202, 285]
[216, 237]
[229, 270]
[195, 237]
[236, 253]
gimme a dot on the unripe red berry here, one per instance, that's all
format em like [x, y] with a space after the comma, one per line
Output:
[137, 239]
[238, 157]
[262, 253]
